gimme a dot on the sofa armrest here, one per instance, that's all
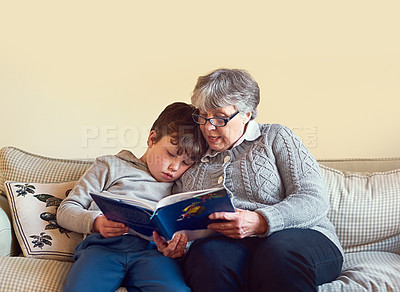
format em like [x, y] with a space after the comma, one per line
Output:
[8, 243]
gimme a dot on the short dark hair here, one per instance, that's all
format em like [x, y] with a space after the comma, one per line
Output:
[176, 121]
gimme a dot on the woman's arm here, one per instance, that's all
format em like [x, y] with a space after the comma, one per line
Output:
[305, 201]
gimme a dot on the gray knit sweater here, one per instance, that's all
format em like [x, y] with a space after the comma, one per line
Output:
[121, 174]
[269, 171]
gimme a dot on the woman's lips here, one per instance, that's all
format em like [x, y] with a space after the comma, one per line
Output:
[213, 139]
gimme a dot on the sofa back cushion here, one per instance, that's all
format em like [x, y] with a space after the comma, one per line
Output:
[363, 164]
[365, 209]
[18, 165]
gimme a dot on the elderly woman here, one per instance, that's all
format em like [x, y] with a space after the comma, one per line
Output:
[279, 238]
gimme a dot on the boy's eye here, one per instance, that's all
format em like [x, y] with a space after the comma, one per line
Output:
[171, 154]
[188, 162]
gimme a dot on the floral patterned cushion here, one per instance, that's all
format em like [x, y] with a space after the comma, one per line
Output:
[34, 214]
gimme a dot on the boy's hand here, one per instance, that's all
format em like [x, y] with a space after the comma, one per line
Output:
[175, 248]
[109, 228]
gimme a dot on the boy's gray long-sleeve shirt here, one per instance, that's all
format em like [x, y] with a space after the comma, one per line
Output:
[121, 174]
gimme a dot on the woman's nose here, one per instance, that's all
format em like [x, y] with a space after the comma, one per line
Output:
[208, 126]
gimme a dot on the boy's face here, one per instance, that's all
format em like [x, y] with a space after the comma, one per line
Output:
[163, 162]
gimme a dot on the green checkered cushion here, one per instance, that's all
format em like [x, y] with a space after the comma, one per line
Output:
[18, 165]
[365, 209]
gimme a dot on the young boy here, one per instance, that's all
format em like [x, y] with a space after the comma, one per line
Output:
[109, 258]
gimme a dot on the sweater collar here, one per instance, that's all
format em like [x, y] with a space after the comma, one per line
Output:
[251, 133]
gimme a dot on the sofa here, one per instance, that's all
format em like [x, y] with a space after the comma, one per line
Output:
[36, 253]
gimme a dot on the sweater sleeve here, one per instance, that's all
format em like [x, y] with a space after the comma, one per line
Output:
[305, 200]
[73, 213]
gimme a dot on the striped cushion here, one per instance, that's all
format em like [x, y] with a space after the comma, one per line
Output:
[18, 165]
[365, 209]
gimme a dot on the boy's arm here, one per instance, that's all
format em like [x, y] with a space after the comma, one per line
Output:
[73, 213]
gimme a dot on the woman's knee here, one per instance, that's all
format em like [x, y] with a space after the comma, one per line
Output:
[216, 265]
[288, 259]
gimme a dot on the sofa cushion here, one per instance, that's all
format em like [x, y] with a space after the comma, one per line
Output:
[18, 165]
[365, 209]
[27, 274]
[34, 209]
[367, 271]
[23, 274]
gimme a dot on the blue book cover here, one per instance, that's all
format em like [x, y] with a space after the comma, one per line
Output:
[130, 212]
[180, 213]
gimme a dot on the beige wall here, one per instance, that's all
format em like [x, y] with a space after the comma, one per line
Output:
[86, 78]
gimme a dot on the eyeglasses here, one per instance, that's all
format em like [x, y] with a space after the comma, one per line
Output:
[217, 122]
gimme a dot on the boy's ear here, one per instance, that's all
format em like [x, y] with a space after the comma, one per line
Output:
[152, 138]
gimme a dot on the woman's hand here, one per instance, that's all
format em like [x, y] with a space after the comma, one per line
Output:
[108, 228]
[240, 224]
[175, 248]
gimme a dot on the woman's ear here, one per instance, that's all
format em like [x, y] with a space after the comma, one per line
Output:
[152, 138]
[247, 118]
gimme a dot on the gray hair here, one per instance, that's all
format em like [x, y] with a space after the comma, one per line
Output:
[225, 87]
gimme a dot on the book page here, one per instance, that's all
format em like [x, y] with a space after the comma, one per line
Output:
[183, 196]
[128, 200]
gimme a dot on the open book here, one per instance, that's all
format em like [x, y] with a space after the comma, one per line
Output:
[180, 213]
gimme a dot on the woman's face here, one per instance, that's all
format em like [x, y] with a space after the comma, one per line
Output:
[223, 138]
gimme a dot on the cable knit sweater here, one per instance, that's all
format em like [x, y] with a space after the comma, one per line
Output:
[271, 172]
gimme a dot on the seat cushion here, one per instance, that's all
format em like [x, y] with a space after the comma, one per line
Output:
[27, 274]
[367, 271]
